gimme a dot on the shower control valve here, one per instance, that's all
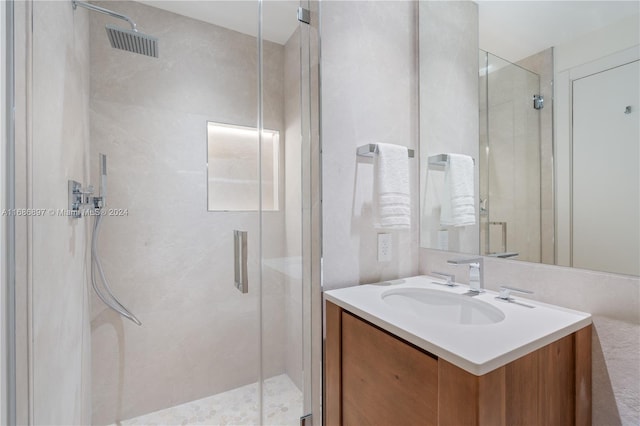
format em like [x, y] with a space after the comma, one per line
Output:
[98, 202]
[80, 198]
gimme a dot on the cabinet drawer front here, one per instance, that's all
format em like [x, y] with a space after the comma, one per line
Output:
[384, 380]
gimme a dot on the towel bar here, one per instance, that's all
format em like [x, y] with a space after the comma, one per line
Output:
[439, 162]
[370, 149]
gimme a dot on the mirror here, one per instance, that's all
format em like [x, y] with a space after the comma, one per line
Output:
[556, 147]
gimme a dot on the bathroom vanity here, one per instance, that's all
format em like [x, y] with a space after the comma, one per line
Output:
[416, 353]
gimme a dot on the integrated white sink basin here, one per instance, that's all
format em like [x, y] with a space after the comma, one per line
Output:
[443, 306]
[477, 334]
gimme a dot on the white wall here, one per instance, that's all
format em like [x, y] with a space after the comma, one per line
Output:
[369, 94]
[597, 44]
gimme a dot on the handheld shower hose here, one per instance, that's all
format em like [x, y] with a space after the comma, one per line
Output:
[96, 265]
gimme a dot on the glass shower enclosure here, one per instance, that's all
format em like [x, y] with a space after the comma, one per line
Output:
[179, 182]
[510, 165]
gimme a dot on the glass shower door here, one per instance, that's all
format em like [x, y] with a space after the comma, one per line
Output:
[286, 254]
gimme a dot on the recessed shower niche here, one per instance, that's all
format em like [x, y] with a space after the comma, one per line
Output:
[239, 163]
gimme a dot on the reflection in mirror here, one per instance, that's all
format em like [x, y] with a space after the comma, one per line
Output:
[510, 209]
[550, 111]
[233, 168]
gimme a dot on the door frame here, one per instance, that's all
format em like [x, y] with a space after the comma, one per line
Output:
[563, 144]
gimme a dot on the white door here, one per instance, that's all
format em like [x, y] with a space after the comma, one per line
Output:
[606, 180]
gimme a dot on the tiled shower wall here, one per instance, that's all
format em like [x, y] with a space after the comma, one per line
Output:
[171, 260]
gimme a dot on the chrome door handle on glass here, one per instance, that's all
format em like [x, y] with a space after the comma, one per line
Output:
[240, 260]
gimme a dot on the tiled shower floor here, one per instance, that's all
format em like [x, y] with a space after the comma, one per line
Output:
[282, 403]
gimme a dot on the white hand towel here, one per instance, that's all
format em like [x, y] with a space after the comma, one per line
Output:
[393, 204]
[458, 201]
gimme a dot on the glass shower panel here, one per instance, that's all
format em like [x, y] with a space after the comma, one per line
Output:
[510, 149]
[170, 258]
[284, 284]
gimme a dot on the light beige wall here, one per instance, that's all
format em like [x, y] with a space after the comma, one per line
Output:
[59, 328]
[614, 302]
[369, 94]
[449, 121]
[608, 40]
[170, 260]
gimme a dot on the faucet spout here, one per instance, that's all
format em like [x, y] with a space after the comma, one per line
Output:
[476, 272]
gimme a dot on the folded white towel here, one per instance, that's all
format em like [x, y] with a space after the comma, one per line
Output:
[393, 204]
[458, 201]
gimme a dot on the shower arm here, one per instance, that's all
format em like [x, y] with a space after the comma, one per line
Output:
[95, 8]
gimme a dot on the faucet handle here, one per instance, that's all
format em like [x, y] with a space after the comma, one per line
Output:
[505, 292]
[449, 277]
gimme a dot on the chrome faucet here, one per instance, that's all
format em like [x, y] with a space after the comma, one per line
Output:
[476, 272]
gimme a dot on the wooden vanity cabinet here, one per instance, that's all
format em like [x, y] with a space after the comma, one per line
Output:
[375, 378]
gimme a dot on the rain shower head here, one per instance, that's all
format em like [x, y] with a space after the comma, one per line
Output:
[132, 41]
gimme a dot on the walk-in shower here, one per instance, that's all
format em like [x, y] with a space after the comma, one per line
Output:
[206, 353]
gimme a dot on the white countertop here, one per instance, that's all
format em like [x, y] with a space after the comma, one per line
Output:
[477, 349]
